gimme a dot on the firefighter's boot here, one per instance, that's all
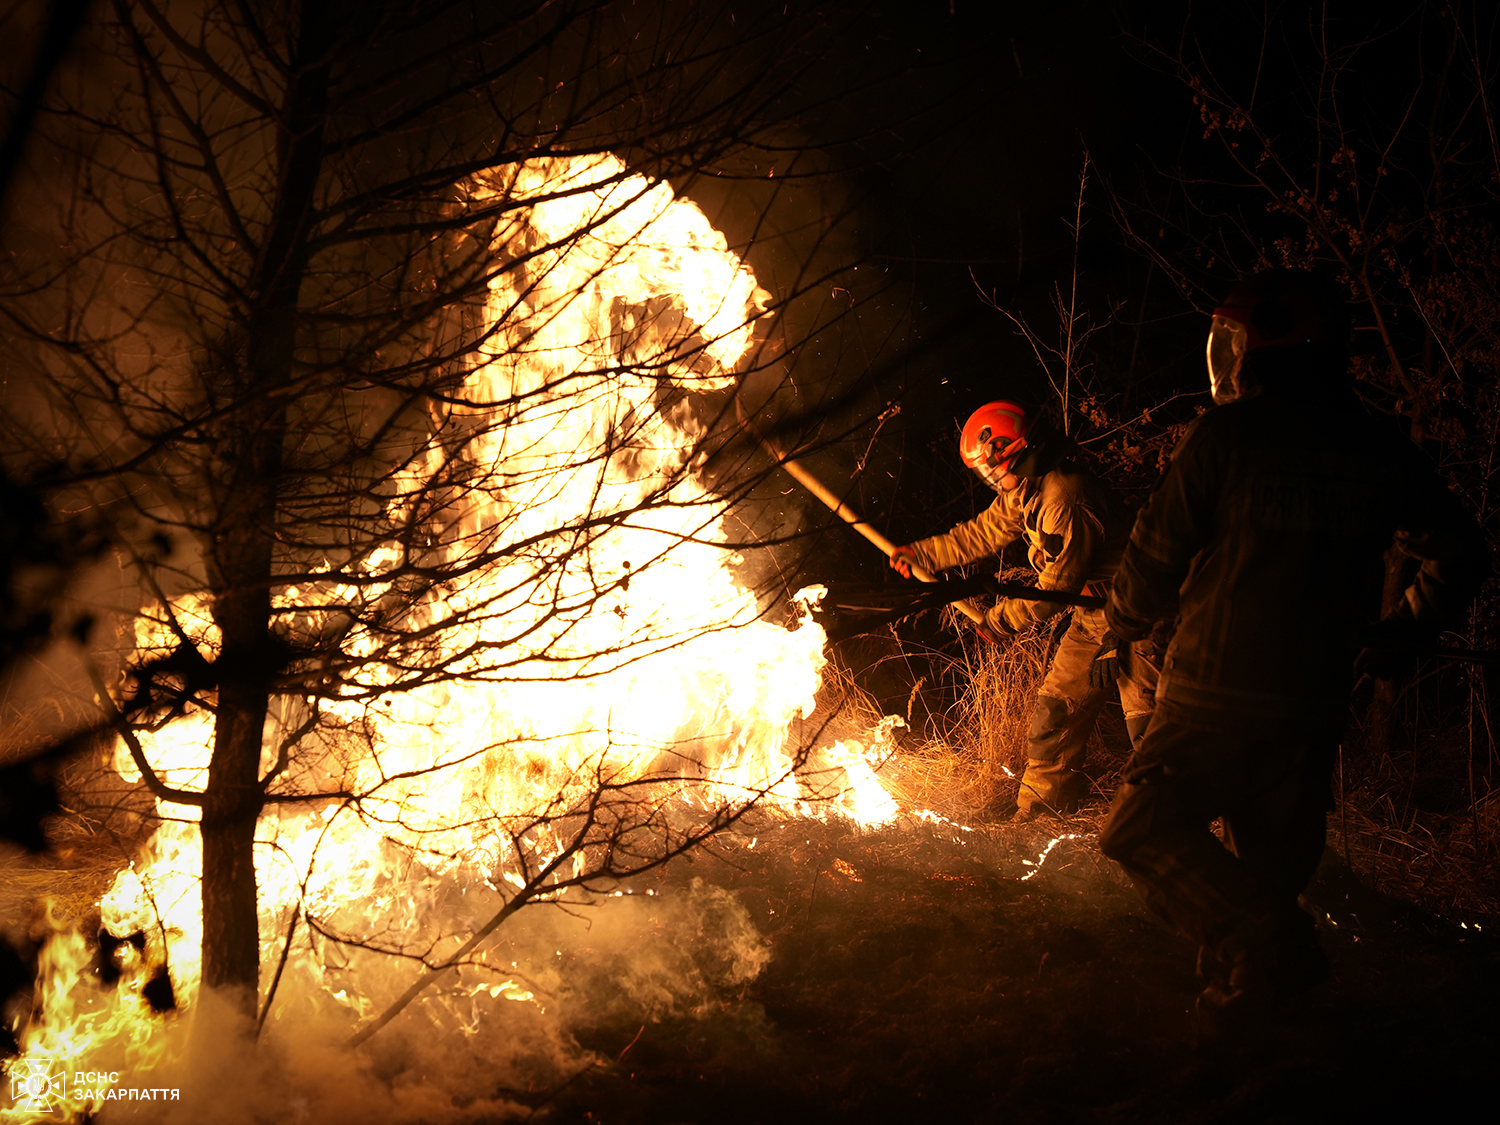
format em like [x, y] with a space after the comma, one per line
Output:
[1267, 969]
[1050, 789]
[1054, 782]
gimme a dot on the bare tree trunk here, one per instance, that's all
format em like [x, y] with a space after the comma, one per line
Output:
[231, 936]
[242, 552]
[241, 556]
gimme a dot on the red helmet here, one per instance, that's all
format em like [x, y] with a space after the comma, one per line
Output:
[993, 437]
[1276, 308]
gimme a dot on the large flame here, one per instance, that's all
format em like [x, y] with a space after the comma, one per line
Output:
[606, 643]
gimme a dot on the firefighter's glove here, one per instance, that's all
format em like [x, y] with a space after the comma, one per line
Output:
[995, 625]
[1155, 646]
[903, 559]
[986, 632]
[1392, 650]
[1110, 663]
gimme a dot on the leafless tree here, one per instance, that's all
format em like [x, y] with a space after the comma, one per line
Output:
[303, 344]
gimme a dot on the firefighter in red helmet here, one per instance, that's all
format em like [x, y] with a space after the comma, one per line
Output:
[1074, 532]
[1264, 542]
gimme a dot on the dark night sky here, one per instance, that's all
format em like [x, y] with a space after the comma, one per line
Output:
[971, 140]
[957, 136]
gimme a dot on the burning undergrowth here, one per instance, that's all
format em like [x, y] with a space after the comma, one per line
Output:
[663, 954]
[930, 968]
[585, 810]
[595, 697]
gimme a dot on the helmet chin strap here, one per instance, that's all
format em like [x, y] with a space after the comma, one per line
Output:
[993, 476]
[1042, 454]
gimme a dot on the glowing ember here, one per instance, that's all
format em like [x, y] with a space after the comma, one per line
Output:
[1041, 859]
[606, 648]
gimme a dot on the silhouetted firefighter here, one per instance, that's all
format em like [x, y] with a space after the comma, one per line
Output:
[1265, 541]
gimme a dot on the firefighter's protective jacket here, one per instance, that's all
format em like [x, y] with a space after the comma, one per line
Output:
[1265, 539]
[1074, 534]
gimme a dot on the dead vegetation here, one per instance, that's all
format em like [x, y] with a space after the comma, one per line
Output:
[961, 967]
[968, 761]
[1418, 824]
[925, 972]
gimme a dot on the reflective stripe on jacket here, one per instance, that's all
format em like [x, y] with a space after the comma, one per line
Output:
[1074, 532]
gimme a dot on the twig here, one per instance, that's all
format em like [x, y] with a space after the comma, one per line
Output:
[632, 1043]
[286, 948]
[839, 508]
[1344, 809]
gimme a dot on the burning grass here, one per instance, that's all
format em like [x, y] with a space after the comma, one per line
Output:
[590, 693]
[947, 966]
[955, 967]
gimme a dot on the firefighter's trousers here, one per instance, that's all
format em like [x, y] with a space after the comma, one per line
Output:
[1269, 782]
[1069, 702]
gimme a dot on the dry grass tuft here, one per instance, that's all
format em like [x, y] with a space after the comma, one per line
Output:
[68, 880]
[1442, 861]
[974, 765]
[103, 824]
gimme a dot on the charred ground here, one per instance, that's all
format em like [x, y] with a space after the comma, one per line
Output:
[925, 973]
